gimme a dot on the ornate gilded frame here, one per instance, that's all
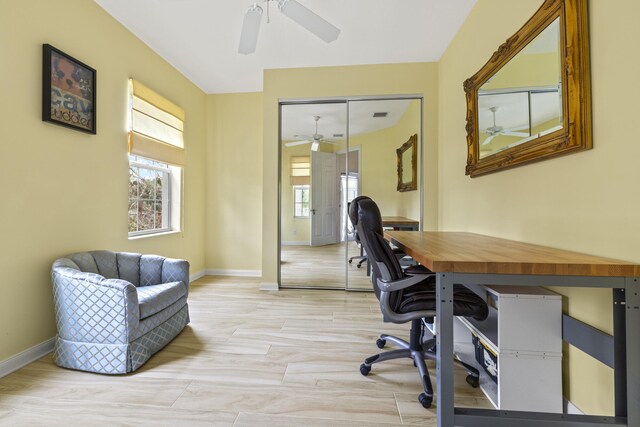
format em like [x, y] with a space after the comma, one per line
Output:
[575, 134]
[411, 144]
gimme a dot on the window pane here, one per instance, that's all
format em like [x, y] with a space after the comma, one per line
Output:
[159, 185]
[158, 215]
[133, 217]
[145, 215]
[148, 193]
[301, 200]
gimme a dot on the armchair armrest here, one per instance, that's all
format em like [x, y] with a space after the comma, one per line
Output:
[175, 270]
[90, 308]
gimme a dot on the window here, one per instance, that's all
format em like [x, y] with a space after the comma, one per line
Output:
[155, 157]
[149, 196]
[301, 201]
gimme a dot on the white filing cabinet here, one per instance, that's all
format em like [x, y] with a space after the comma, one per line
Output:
[524, 330]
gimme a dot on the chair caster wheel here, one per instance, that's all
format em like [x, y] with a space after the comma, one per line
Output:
[350, 261]
[381, 342]
[365, 369]
[425, 400]
[358, 266]
[473, 381]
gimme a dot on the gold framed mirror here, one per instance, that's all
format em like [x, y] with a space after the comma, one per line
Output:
[407, 165]
[531, 101]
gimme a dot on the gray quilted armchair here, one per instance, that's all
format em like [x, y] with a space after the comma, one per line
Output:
[114, 310]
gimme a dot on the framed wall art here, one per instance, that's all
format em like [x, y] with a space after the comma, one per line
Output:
[68, 91]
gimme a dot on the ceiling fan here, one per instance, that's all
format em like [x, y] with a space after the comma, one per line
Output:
[314, 139]
[496, 130]
[290, 8]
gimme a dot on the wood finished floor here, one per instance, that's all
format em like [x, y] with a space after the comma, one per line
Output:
[323, 267]
[248, 358]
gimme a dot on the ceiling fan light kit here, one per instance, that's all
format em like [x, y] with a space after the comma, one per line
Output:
[294, 11]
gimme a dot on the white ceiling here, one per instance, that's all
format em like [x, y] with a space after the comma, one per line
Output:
[200, 37]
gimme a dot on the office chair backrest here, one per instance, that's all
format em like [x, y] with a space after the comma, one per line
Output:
[352, 210]
[369, 225]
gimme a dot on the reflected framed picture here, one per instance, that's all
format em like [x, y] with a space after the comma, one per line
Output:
[68, 91]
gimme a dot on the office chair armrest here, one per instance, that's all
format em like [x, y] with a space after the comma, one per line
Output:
[390, 286]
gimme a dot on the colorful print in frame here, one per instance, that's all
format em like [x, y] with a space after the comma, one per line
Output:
[68, 91]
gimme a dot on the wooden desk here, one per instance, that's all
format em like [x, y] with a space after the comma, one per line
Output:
[400, 223]
[469, 258]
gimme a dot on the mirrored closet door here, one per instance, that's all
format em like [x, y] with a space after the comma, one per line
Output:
[330, 153]
[312, 245]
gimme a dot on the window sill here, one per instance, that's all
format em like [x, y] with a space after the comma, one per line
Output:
[162, 233]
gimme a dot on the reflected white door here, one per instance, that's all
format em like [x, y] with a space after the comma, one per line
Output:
[325, 220]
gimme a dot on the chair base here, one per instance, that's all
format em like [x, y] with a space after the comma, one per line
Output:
[419, 351]
[362, 260]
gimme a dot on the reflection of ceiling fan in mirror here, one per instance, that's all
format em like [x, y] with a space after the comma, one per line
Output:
[314, 139]
[495, 130]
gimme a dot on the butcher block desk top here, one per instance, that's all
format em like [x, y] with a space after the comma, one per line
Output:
[459, 252]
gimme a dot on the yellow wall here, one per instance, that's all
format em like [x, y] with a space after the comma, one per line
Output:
[585, 202]
[234, 181]
[417, 78]
[65, 191]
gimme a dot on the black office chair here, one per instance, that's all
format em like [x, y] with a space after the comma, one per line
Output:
[362, 258]
[407, 295]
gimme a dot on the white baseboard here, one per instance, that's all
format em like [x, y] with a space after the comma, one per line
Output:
[570, 408]
[242, 273]
[307, 243]
[217, 272]
[269, 286]
[22, 359]
[196, 276]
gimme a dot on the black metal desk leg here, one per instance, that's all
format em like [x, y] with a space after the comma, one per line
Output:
[632, 298]
[619, 353]
[444, 343]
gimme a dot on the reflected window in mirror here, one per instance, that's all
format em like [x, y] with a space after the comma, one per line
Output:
[301, 201]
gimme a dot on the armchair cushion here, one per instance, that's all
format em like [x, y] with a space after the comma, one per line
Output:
[155, 298]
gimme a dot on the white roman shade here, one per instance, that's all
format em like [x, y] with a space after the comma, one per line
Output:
[300, 170]
[157, 126]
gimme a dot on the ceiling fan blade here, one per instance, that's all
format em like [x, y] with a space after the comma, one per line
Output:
[294, 143]
[489, 138]
[304, 136]
[309, 20]
[250, 30]
[510, 133]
